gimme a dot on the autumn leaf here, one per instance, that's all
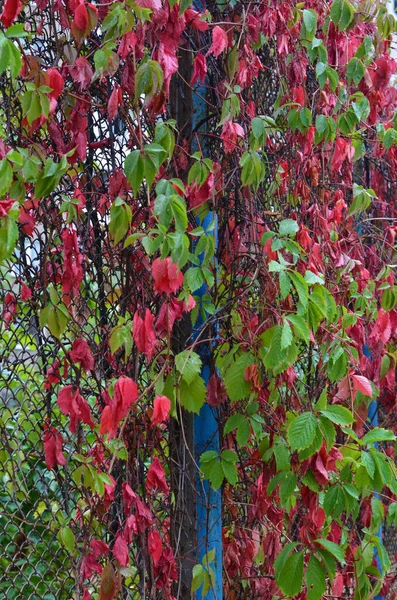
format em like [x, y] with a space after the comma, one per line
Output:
[362, 384]
[161, 410]
[120, 551]
[108, 589]
[219, 41]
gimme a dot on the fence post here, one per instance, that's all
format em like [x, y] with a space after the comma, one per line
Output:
[373, 420]
[206, 432]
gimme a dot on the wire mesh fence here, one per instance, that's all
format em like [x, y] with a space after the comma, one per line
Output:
[44, 512]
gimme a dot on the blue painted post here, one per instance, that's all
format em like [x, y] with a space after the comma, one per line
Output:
[206, 433]
[373, 419]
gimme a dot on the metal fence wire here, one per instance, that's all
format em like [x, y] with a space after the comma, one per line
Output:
[37, 561]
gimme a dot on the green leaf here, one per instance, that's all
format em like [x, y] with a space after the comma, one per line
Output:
[313, 447]
[120, 220]
[17, 31]
[286, 336]
[328, 431]
[289, 578]
[300, 326]
[148, 80]
[312, 278]
[282, 455]
[8, 236]
[338, 414]
[194, 278]
[236, 386]
[230, 472]
[362, 200]
[342, 13]
[310, 24]
[288, 227]
[208, 456]
[121, 336]
[258, 127]
[315, 579]
[301, 287]
[336, 551]
[355, 70]
[233, 422]
[57, 319]
[334, 501]
[283, 555]
[217, 475]
[67, 539]
[378, 434]
[192, 396]
[389, 299]
[369, 463]
[302, 431]
[229, 456]
[285, 284]
[197, 578]
[5, 176]
[273, 356]
[134, 169]
[287, 487]
[243, 433]
[188, 364]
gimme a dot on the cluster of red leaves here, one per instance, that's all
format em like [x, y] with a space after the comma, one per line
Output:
[312, 187]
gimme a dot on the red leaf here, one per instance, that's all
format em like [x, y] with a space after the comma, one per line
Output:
[170, 311]
[144, 517]
[5, 207]
[127, 44]
[199, 69]
[73, 404]
[199, 194]
[219, 41]
[128, 391]
[195, 20]
[362, 384]
[82, 72]
[129, 498]
[11, 10]
[26, 292]
[53, 442]
[120, 551]
[72, 265]
[106, 420]
[229, 134]
[156, 477]
[144, 334]
[81, 17]
[125, 394]
[338, 586]
[161, 410]
[216, 393]
[155, 546]
[168, 62]
[382, 329]
[90, 564]
[385, 67]
[54, 80]
[166, 275]
[81, 353]
[131, 527]
[343, 150]
[115, 100]
[86, 595]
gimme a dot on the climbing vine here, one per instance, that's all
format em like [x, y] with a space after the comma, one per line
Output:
[215, 184]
